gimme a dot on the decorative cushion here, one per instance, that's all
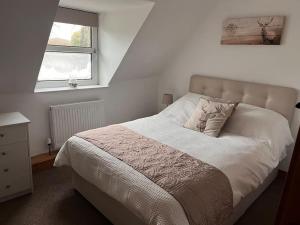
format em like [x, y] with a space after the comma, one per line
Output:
[210, 116]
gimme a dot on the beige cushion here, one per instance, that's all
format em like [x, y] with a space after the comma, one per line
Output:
[210, 116]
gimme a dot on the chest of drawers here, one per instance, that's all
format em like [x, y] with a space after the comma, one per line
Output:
[15, 163]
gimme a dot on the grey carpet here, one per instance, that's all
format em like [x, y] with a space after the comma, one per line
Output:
[54, 202]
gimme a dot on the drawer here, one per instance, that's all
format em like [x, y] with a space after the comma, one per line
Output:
[14, 157]
[10, 185]
[13, 134]
[15, 172]
[15, 151]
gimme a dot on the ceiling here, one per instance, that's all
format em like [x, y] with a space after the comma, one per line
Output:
[102, 5]
[169, 25]
[166, 29]
[25, 28]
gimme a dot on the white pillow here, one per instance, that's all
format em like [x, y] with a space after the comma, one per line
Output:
[181, 110]
[264, 124]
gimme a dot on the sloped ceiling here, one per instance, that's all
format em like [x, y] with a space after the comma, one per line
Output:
[25, 28]
[117, 31]
[99, 6]
[165, 31]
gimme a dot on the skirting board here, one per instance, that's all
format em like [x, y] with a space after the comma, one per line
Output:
[43, 161]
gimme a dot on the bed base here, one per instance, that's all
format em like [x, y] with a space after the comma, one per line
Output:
[117, 214]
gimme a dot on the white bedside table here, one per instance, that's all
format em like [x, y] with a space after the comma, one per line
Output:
[15, 163]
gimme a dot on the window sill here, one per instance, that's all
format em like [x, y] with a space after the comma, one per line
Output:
[58, 89]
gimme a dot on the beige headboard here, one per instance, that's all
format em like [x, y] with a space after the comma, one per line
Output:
[276, 98]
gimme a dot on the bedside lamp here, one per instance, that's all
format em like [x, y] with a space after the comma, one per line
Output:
[167, 99]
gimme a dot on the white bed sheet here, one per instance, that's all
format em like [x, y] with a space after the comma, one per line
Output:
[245, 161]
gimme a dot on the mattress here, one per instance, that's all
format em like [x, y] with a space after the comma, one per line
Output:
[245, 161]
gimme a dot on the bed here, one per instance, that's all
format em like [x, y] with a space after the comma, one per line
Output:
[125, 196]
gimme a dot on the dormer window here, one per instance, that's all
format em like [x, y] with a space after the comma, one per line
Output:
[72, 50]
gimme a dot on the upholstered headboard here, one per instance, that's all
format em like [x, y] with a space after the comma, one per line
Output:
[276, 98]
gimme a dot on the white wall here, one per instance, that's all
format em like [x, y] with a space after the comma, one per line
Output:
[123, 101]
[203, 54]
[129, 97]
[23, 42]
[117, 31]
[180, 36]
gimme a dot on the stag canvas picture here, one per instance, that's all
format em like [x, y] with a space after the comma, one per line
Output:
[265, 30]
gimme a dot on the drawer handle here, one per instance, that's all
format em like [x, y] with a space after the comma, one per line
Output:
[7, 187]
[3, 153]
[5, 170]
[2, 135]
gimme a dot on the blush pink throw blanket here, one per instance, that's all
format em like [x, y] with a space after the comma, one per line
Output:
[203, 191]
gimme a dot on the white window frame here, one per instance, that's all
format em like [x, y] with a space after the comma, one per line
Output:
[93, 50]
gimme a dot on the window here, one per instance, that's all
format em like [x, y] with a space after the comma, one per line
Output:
[71, 53]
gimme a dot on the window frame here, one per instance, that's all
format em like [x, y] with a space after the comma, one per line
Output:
[93, 50]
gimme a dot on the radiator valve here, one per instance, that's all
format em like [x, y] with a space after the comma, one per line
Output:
[49, 143]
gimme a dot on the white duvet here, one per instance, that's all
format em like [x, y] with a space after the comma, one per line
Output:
[246, 161]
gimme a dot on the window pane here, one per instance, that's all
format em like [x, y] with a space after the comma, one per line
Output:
[70, 35]
[63, 66]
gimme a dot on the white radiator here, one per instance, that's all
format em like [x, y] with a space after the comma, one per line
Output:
[69, 119]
